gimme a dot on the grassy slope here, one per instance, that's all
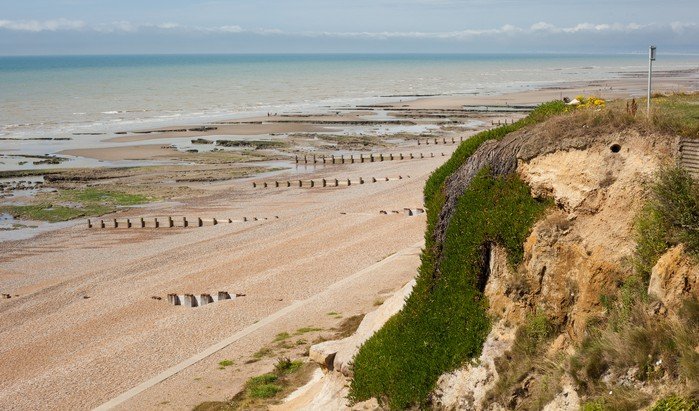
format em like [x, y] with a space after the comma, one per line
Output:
[444, 322]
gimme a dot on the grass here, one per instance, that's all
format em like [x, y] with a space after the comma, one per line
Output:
[306, 330]
[281, 337]
[225, 363]
[677, 113]
[630, 340]
[267, 389]
[670, 217]
[676, 403]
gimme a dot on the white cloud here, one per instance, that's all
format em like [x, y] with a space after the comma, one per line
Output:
[458, 35]
[46, 25]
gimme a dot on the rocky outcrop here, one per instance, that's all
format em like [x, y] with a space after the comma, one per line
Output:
[577, 253]
[674, 278]
[466, 388]
[337, 355]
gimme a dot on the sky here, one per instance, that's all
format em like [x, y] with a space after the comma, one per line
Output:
[57, 27]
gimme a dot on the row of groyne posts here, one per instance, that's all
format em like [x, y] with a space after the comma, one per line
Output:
[166, 222]
[322, 183]
[361, 159]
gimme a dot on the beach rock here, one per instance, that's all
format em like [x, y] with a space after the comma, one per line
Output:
[337, 355]
[674, 278]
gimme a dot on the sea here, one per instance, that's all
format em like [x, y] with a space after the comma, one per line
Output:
[59, 96]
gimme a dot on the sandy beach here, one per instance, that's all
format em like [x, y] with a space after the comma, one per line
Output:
[89, 319]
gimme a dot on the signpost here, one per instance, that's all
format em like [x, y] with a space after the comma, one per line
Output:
[651, 59]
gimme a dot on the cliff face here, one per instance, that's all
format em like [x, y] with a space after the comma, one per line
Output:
[579, 253]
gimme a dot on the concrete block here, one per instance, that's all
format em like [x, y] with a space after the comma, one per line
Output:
[190, 301]
[223, 295]
[174, 299]
[342, 158]
[352, 158]
[361, 158]
[205, 299]
[333, 158]
[381, 157]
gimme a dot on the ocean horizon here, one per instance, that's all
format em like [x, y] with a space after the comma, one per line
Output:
[60, 95]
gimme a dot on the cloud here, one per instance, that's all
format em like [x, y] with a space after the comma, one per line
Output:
[46, 25]
[508, 30]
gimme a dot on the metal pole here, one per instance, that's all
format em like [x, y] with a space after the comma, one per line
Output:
[651, 58]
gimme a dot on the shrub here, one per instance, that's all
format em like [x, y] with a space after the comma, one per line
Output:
[671, 217]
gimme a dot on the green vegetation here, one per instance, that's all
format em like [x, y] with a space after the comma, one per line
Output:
[671, 217]
[263, 386]
[631, 339]
[72, 204]
[444, 321]
[282, 336]
[677, 114]
[225, 363]
[264, 390]
[676, 403]
[306, 330]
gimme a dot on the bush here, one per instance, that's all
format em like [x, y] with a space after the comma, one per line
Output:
[671, 217]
